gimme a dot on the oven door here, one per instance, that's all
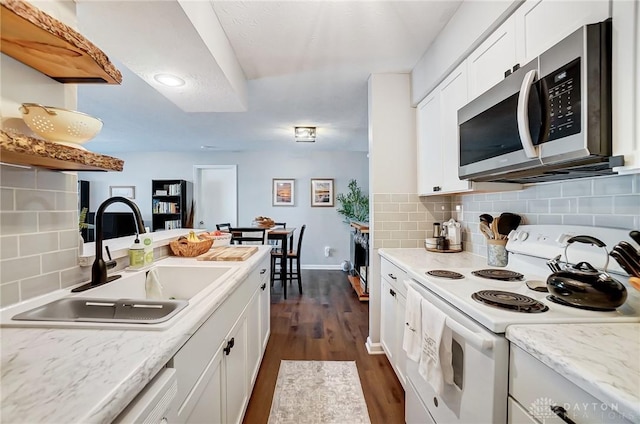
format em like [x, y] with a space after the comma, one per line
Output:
[480, 366]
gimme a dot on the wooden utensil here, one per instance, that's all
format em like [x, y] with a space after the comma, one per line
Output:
[508, 222]
[484, 229]
[635, 282]
[494, 228]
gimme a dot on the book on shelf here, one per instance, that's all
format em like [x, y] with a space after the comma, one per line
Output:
[172, 224]
[165, 207]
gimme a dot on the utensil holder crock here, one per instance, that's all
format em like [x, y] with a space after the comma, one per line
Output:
[497, 254]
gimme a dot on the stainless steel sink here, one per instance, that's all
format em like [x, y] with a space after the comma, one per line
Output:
[78, 309]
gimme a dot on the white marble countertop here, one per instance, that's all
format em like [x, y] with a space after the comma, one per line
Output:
[420, 258]
[602, 359]
[90, 376]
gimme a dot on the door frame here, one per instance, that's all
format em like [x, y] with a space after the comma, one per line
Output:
[197, 185]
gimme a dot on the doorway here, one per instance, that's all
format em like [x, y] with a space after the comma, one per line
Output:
[216, 195]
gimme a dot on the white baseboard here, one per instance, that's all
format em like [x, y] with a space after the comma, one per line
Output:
[374, 348]
[323, 267]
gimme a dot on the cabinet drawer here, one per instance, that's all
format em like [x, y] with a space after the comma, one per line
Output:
[537, 387]
[517, 414]
[394, 275]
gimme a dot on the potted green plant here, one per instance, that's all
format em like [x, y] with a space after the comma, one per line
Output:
[353, 205]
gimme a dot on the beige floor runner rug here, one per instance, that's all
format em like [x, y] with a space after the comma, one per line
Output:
[318, 392]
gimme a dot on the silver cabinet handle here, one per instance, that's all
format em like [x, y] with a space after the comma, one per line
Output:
[263, 270]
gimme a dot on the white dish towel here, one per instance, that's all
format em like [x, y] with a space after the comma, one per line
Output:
[435, 357]
[412, 337]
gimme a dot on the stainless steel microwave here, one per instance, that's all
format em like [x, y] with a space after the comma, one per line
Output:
[549, 120]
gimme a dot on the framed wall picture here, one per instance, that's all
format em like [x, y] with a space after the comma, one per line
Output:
[322, 192]
[123, 191]
[283, 192]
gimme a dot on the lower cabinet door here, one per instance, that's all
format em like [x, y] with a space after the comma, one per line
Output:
[254, 346]
[401, 355]
[265, 312]
[388, 320]
[236, 372]
[205, 403]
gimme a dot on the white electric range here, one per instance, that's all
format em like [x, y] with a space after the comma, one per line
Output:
[480, 350]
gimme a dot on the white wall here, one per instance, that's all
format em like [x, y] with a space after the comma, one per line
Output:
[392, 170]
[255, 173]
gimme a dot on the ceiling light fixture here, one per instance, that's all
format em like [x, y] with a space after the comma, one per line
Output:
[169, 80]
[305, 134]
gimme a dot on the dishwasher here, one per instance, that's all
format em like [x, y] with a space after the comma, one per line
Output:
[154, 404]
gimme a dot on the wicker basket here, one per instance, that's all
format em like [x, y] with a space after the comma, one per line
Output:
[190, 249]
[221, 240]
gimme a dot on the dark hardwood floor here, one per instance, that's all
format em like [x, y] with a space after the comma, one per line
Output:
[325, 323]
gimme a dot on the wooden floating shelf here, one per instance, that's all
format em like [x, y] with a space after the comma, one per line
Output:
[355, 283]
[20, 149]
[38, 40]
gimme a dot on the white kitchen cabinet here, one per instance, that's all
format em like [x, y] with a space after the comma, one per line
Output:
[265, 311]
[534, 389]
[542, 23]
[236, 371]
[626, 84]
[216, 367]
[259, 310]
[489, 61]
[429, 150]
[437, 133]
[392, 311]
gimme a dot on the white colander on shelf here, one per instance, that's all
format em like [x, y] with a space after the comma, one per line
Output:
[60, 125]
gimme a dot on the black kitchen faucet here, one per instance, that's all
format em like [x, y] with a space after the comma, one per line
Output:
[99, 268]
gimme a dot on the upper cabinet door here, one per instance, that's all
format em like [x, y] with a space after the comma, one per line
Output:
[453, 95]
[488, 63]
[542, 23]
[429, 144]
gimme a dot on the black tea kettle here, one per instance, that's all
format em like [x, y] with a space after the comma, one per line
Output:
[583, 286]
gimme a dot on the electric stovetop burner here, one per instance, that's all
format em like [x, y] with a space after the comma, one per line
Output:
[498, 274]
[563, 302]
[441, 273]
[510, 301]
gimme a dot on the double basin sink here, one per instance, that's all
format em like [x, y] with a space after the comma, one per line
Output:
[125, 302]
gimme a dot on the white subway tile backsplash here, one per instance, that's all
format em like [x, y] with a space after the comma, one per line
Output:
[39, 228]
[72, 276]
[550, 219]
[547, 191]
[33, 244]
[391, 243]
[409, 244]
[411, 225]
[399, 198]
[59, 260]
[614, 221]
[381, 197]
[42, 284]
[35, 200]
[595, 204]
[14, 177]
[578, 220]
[390, 207]
[9, 294]
[18, 222]
[577, 188]
[56, 221]
[67, 201]
[399, 235]
[538, 206]
[6, 199]
[563, 205]
[407, 207]
[8, 247]
[621, 184]
[59, 181]
[19, 268]
[391, 225]
[629, 204]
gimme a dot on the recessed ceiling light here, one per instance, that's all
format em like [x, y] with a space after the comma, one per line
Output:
[307, 134]
[208, 147]
[169, 80]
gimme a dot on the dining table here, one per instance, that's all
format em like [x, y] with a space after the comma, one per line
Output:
[284, 235]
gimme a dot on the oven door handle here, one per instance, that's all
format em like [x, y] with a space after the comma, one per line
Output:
[474, 339]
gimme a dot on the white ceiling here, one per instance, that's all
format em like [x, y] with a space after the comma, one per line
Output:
[282, 64]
